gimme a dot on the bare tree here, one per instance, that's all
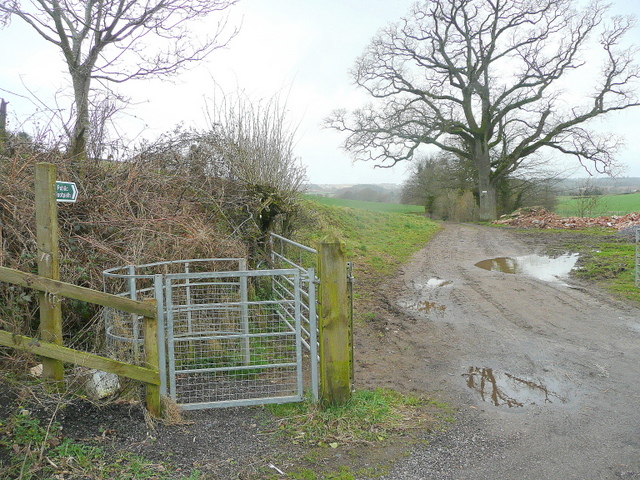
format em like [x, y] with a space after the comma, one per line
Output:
[589, 199]
[247, 157]
[482, 79]
[252, 145]
[256, 142]
[119, 40]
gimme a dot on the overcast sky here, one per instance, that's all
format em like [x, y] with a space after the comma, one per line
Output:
[302, 50]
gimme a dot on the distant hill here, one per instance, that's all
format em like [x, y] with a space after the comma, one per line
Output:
[383, 192]
[606, 185]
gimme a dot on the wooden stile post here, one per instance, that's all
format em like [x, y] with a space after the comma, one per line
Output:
[48, 266]
[151, 361]
[335, 325]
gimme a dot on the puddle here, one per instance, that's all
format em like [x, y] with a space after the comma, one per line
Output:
[433, 283]
[425, 306]
[502, 388]
[541, 267]
[428, 307]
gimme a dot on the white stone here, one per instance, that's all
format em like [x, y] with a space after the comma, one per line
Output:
[101, 384]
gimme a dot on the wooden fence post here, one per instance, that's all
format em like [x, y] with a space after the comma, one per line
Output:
[48, 266]
[152, 361]
[335, 325]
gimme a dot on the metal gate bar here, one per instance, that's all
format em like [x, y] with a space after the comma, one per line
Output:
[286, 252]
[637, 256]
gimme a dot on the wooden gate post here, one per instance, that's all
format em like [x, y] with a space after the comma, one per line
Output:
[48, 266]
[334, 325]
[151, 357]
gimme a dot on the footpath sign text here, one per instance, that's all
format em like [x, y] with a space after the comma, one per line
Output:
[66, 192]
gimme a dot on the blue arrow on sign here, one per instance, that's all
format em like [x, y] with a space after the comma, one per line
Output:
[66, 192]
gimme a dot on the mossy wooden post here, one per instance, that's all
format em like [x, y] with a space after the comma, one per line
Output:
[48, 266]
[151, 361]
[334, 325]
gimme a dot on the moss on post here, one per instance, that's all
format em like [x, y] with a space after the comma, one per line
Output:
[152, 361]
[335, 325]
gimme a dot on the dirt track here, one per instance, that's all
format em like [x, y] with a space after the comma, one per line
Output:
[556, 364]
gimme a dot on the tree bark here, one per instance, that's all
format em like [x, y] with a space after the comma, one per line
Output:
[78, 145]
[488, 201]
[486, 187]
[3, 126]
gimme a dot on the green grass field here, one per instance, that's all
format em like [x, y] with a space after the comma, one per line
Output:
[603, 205]
[377, 236]
[377, 240]
[370, 206]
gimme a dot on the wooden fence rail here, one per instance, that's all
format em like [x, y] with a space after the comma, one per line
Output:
[58, 288]
[149, 374]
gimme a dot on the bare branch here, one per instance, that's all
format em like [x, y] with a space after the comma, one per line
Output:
[117, 40]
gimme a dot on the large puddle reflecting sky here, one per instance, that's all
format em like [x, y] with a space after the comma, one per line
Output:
[541, 267]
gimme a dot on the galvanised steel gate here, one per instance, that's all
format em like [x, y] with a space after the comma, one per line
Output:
[637, 256]
[227, 337]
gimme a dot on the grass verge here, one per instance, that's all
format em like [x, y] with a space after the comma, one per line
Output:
[370, 416]
[377, 243]
[607, 259]
[361, 439]
[611, 264]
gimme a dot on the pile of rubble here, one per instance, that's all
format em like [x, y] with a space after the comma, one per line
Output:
[541, 218]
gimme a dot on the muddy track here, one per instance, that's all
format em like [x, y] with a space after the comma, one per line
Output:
[544, 373]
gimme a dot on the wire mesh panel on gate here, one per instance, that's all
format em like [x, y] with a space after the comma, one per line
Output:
[230, 342]
[138, 282]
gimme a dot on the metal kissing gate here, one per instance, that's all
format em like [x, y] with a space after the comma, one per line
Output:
[228, 336]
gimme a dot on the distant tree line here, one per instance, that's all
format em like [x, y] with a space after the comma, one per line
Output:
[367, 193]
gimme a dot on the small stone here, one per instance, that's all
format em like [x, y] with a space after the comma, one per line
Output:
[36, 371]
[101, 384]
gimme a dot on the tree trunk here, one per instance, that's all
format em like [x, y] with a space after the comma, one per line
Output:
[3, 126]
[488, 203]
[78, 142]
[486, 188]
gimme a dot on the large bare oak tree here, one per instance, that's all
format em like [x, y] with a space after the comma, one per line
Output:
[119, 40]
[483, 79]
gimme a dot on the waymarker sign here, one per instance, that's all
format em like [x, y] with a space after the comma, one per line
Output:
[66, 192]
